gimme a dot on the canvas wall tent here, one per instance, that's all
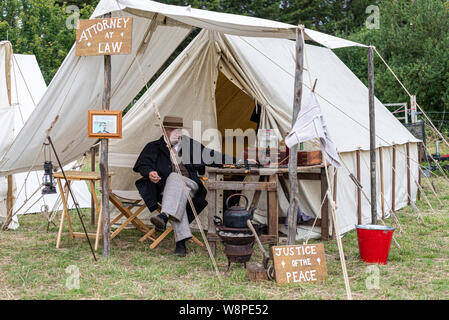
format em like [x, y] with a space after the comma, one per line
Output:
[158, 29]
[219, 78]
[21, 88]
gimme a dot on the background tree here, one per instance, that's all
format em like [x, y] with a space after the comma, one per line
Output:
[413, 36]
[39, 27]
[414, 39]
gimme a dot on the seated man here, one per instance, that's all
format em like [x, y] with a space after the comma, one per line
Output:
[161, 183]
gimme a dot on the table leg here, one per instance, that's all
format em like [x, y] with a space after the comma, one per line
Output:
[324, 208]
[97, 208]
[211, 199]
[61, 223]
[69, 221]
[99, 224]
[273, 209]
[65, 212]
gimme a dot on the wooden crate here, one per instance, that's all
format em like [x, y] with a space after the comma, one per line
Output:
[309, 158]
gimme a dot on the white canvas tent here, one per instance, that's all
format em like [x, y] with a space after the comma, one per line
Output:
[195, 86]
[21, 88]
[218, 78]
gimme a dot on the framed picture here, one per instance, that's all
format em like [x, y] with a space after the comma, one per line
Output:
[104, 124]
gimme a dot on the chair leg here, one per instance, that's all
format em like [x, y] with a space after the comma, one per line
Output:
[197, 241]
[147, 235]
[161, 237]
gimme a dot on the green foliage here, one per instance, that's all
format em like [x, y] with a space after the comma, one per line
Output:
[323, 15]
[414, 39]
[39, 27]
[413, 36]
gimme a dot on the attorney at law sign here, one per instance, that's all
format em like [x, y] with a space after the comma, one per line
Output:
[107, 36]
[299, 263]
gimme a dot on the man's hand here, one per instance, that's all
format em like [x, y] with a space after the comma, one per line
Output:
[154, 177]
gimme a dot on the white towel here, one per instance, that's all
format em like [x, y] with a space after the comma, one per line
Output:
[310, 124]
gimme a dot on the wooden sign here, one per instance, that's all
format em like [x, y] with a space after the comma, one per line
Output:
[299, 263]
[107, 36]
[104, 124]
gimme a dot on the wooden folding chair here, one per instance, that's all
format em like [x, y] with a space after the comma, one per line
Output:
[128, 202]
[163, 235]
[125, 201]
[156, 241]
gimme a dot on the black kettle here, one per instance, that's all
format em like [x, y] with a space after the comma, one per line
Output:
[236, 216]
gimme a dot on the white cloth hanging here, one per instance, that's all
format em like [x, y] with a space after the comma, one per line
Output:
[310, 124]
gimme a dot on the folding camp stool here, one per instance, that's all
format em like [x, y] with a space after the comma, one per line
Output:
[156, 241]
[125, 201]
[128, 202]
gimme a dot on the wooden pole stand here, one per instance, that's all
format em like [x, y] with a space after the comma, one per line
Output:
[104, 146]
[292, 161]
[372, 126]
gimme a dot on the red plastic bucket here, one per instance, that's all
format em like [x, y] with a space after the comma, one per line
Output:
[374, 242]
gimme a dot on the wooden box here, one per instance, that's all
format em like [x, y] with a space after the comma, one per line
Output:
[309, 158]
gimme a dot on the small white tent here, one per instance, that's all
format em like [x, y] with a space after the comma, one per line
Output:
[21, 88]
[194, 85]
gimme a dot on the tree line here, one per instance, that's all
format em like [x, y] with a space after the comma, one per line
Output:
[412, 35]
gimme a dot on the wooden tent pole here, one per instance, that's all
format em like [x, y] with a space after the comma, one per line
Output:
[292, 161]
[9, 193]
[104, 146]
[419, 168]
[372, 126]
[382, 198]
[408, 173]
[393, 173]
[359, 192]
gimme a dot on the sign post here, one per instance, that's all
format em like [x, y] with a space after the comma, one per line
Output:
[293, 154]
[107, 36]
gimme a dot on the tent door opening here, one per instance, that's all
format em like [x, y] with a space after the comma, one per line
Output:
[236, 111]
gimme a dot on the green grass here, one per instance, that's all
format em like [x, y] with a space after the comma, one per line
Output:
[32, 268]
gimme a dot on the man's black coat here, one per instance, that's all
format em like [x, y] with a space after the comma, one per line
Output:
[155, 157]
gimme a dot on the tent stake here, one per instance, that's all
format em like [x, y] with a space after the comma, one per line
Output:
[104, 145]
[293, 154]
[372, 131]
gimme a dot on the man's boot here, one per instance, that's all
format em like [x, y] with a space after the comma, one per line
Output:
[160, 222]
[181, 249]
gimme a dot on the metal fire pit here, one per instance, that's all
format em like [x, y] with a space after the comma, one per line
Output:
[238, 242]
[235, 238]
[238, 253]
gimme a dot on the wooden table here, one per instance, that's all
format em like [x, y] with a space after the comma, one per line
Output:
[268, 181]
[92, 177]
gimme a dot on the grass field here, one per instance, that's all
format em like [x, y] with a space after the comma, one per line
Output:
[31, 267]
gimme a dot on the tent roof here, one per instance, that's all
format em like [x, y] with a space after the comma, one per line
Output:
[78, 84]
[268, 64]
[221, 22]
